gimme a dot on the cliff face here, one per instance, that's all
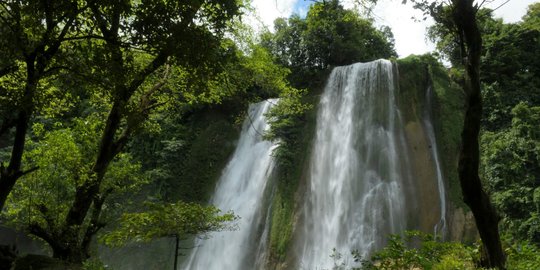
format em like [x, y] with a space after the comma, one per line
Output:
[417, 74]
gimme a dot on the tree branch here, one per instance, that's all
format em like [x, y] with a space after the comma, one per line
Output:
[7, 124]
[40, 232]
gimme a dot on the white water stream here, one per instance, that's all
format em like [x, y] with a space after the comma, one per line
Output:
[358, 168]
[241, 189]
[440, 227]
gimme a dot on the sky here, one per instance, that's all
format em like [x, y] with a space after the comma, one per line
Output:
[409, 33]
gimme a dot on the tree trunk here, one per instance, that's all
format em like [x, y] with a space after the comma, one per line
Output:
[485, 215]
[9, 175]
[176, 247]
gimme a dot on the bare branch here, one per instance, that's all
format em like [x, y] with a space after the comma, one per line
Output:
[506, 2]
[22, 173]
[82, 38]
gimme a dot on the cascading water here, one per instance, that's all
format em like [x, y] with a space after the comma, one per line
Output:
[241, 189]
[440, 227]
[359, 168]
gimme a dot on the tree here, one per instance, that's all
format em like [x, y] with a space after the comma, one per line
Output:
[336, 36]
[511, 69]
[123, 68]
[177, 220]
[510, 152]
[329, 36]
[130, 48]
[510, 82]
[487, 221]
[33, 33]
[64, 154]
[511, 166]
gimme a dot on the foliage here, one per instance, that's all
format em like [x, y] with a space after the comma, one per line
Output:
[63, 156]
[291, 126]
[509, 63]
[195, 134]
[511, 166]
[523, 256]
[511, 69]
[121, 53]
[335, 36]
[286, 119]
[329, 36]
[416, 250]
[94, 264]
[166, 220]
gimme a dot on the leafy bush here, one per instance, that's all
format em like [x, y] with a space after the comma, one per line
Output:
[417, 250]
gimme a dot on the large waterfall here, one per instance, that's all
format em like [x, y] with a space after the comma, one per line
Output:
[241, 188]
[359, 168]
[374, 170]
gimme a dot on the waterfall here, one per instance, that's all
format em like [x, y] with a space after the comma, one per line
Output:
[241, 189]
[358, 170]
[440, 227]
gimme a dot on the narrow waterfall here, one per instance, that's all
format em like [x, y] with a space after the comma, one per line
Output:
[359, 169]
[241, 189]
[440, 227]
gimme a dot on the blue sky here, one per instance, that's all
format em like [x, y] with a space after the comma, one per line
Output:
[301, 7]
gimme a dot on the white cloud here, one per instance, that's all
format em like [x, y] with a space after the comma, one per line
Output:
[511, 11]
[409, 33]
[268, 10]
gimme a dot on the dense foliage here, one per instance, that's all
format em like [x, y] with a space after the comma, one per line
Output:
[329, 36]
[116, 118]
[416, 250]
[167, 220]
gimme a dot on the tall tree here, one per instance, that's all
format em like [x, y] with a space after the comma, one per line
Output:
[132, 47]
[32, 35]
[461, 21]
[485, 215]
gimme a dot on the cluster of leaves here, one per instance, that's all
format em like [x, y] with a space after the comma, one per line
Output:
[286, 120]
[62, 154]
[167, 220]
[417, 250]
[511, 67]
[511, 142]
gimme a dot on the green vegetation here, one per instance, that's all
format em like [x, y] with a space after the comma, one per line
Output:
[329, 36]
[293, 125]
[168, 220]
[511, 166]
[416, 250]
[117, 117]
[104, 105]
[509, 78]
